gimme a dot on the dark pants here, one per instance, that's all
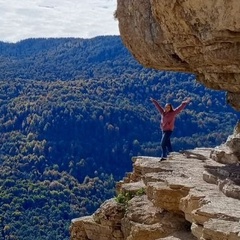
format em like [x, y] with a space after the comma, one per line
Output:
[166, 143]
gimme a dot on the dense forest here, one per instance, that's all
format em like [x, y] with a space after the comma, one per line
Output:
[72, 114]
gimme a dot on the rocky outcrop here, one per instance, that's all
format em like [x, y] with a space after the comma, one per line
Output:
[194, 194]
[189, 196]
[230, 151]
[200, 37]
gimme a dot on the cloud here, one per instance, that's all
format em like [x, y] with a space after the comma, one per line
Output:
[56, 18]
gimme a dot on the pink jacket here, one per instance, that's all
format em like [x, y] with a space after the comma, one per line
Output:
[168, 118]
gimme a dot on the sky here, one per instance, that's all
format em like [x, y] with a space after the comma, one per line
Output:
[22, 19]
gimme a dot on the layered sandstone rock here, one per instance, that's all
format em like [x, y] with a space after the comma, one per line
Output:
[200, 37]
[189, 196]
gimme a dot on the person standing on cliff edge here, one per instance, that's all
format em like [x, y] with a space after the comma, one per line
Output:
[168, 116]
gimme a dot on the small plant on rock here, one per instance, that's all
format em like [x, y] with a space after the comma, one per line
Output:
[124, 197]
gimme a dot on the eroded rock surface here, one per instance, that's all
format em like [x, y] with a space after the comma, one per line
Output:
[200, 37]
[189, 196]
[176, 202]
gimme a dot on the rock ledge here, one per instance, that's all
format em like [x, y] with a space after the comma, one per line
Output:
[183, 198]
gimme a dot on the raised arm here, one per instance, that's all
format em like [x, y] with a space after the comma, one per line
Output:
[157, 105]
[182, 105]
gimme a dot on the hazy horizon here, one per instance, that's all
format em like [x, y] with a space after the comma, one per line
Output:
[57, 18]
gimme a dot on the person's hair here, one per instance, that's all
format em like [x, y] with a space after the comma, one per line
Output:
[170, 105]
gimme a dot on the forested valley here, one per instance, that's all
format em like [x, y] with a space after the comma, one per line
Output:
[73, 112]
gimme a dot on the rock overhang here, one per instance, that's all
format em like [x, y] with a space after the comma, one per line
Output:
[199, 37]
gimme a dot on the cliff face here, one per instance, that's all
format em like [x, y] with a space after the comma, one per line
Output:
[192, 195]
[201, 37]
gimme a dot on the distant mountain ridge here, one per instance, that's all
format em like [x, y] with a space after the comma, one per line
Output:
[64, 59]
